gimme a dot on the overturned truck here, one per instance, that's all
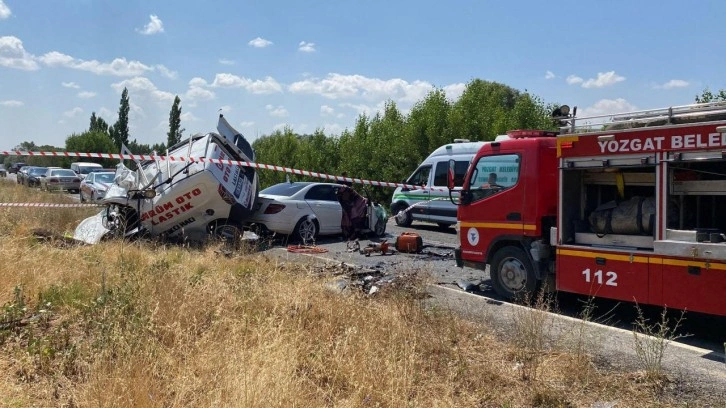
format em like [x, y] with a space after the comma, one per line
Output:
[181, 199]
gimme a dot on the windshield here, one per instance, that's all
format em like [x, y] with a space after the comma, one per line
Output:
[63, 173]
[88, 169]
[37, 171]
[284, 189]
[104, 177]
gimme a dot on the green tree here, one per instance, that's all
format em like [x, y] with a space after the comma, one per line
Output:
[98, 123]
[487, 109]
[175, 131]
[41, 161]
[278, 148]
[427, 126]
[92, 142]
[142, 148]
[708, 96]
[120, 130]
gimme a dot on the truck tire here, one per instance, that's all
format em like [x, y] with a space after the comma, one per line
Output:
[512, 273]
[403, 220]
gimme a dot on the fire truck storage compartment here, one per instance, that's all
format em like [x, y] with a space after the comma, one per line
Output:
[609, 206]
[698, 188]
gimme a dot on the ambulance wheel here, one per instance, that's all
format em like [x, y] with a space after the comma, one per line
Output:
[306, 230]
[402, 220]
[512, 273]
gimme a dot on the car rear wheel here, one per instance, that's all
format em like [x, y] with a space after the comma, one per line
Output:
[306, 230]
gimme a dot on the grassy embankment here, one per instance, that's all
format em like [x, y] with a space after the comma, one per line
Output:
[145, 324]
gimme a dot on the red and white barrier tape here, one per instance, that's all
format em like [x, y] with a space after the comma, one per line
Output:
[221, 161]
[48, 205]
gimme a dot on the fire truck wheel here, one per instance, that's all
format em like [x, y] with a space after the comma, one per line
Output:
[512, 273]
[402, 220]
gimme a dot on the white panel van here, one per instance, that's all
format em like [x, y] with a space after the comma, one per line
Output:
[431, 201]
[83, 168]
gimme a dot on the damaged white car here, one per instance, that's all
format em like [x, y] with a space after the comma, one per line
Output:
[180, 198]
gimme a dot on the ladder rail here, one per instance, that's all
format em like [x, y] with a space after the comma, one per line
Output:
[648, 115]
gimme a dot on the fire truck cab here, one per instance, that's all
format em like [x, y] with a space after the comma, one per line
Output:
[627, 209]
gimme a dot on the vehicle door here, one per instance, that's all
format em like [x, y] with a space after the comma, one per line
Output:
[496, 199]
[440, 209]
[86, 185]
[419, 195]
[324, 203]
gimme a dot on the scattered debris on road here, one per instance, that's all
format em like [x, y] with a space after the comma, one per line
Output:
[369, 281]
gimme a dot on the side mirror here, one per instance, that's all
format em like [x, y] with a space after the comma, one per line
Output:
[451, 174]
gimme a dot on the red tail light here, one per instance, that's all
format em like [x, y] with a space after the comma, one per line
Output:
[274, 208]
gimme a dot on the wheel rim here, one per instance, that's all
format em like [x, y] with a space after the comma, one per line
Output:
[306, 230]
[402, 218]
[513, 275]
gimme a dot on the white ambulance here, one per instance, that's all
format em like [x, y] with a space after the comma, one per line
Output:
[429, 201]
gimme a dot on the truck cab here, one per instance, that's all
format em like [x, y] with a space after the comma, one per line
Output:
[627, 208]
[508, 206]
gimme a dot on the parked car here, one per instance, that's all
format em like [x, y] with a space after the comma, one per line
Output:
[15, 167]
[34, 175]
[61, 179]
[82, 169]
[22, 174]
[3, 171]
[95, 185]
[304, 210]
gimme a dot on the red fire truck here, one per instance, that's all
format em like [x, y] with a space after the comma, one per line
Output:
[632, 208]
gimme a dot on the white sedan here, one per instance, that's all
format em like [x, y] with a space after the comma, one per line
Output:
[304, 210]
[94, 186]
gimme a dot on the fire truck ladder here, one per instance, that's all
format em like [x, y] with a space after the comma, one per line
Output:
[694, 113]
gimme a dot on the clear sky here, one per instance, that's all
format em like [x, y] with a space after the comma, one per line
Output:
[319, 63]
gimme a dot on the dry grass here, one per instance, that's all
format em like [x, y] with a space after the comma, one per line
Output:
[144, 324]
